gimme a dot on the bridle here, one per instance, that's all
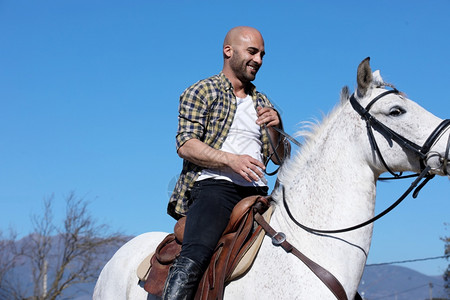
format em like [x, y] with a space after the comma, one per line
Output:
[423, 152]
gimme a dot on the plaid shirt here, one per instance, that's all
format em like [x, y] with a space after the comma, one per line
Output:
[206, 112]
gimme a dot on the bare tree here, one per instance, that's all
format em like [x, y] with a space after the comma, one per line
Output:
[58, 256]
[9, 260]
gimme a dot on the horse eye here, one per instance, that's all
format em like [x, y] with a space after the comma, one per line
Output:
[396, 111]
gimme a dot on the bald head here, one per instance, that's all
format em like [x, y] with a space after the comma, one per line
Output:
[237, 34]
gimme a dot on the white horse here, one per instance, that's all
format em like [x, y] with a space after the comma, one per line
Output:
[329, 184]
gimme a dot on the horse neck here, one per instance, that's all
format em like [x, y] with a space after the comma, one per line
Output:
[329, 183]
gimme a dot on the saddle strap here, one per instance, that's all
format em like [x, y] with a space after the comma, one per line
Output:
[324, 275]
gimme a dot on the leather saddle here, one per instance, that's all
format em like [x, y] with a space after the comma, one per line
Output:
[233, 256]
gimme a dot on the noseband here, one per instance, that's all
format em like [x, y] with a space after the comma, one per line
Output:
[423, 152]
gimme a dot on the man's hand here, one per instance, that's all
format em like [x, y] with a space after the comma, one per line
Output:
[268, 116]
[246, 166]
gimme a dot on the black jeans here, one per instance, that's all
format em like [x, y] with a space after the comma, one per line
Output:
[208, 216]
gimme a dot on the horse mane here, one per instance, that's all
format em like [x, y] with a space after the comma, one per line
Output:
[307, 132]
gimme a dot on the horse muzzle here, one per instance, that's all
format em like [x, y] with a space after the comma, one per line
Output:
[439, 160]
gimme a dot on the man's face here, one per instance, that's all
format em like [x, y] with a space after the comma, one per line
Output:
[247, 57]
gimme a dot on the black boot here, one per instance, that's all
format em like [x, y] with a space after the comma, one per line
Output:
[181, 283]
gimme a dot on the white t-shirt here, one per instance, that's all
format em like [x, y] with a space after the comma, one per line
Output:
[244, 138]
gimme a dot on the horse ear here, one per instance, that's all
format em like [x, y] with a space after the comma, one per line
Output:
[345, 94]
[364, 76]
[377, 79]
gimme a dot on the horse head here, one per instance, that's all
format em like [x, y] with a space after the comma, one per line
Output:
[403, 136]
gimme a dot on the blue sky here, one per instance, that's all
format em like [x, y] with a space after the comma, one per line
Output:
[89, 93]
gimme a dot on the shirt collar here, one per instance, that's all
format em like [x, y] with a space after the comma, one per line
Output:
[228, 86]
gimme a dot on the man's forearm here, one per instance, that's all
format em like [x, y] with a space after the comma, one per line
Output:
[203, 155]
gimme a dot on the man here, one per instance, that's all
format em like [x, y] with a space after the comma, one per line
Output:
[224, 143]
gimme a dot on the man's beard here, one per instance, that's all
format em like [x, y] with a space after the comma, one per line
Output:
[239, 67]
